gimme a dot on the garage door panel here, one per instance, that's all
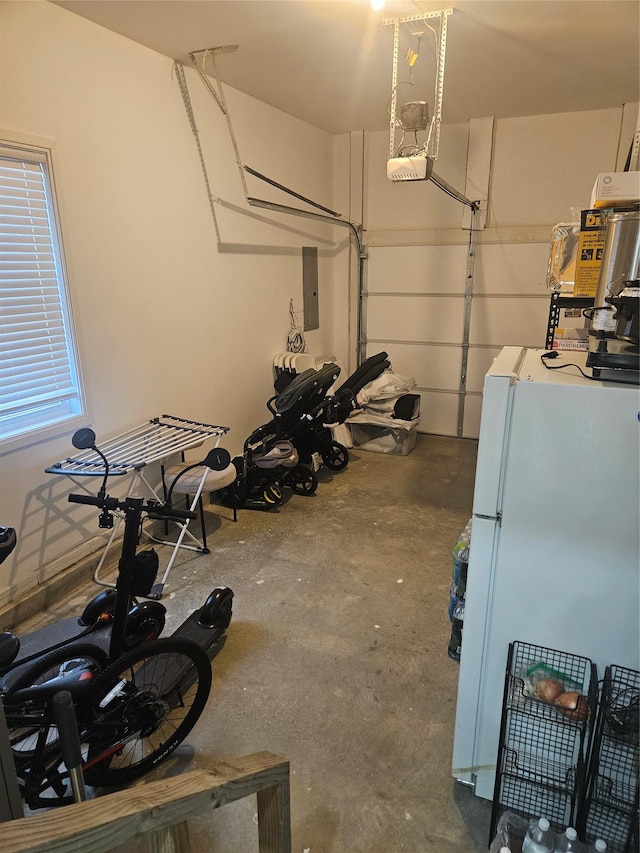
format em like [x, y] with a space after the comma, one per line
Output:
[438, 412]
[519, 268]
[472, 411]
[416, 269]
[478, 363]
[506, 321]
[430, 366]
[438, 319]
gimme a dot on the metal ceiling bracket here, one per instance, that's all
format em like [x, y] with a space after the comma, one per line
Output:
[433, 141]
[219, 96]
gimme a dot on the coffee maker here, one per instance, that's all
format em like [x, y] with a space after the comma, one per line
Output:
[614, 352]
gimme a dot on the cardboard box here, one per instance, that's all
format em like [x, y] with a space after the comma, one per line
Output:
[571, 339]
[589, 255]
[615, 189]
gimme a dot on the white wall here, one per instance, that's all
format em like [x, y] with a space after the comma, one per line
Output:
[542, 170]
[167, 319]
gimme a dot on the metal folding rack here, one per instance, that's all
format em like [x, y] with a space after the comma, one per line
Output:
[559, 301]
[610, 810]
[542, 755]
[130, 452]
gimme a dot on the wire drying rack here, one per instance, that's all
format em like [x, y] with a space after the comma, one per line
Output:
[138, 447]
[130, 452]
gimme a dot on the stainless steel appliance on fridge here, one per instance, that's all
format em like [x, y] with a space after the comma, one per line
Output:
[554, 556]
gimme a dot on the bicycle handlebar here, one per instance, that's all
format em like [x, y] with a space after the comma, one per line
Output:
[159, 511]
[153, 509]
[103, 502]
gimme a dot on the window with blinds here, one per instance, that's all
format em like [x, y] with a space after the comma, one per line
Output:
[39, 381]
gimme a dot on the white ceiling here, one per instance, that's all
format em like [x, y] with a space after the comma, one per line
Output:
[330, 62]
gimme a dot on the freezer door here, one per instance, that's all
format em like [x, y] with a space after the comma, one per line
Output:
[499, 386]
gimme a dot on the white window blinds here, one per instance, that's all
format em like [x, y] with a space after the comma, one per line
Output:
[38, 377]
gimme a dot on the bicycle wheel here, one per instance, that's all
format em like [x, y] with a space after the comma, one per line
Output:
[33, 734]
[145, 704]
[51, 668]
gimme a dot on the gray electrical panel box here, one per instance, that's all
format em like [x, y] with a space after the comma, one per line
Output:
[310, 287]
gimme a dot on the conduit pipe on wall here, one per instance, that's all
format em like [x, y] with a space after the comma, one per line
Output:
[356, 233]
[334, 219]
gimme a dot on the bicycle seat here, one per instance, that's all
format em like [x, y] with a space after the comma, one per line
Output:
[9, 648]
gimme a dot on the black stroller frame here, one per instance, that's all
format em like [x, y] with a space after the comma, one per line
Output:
[310, 431]
[303, 414]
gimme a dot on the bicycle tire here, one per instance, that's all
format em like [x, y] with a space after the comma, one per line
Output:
[32, 729]
[145, 704]
[50, 661]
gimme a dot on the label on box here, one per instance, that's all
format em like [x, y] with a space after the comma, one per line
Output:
[616, 188]
[590, 249]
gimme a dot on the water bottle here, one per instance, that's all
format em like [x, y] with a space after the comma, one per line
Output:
[599, 846]
[540, 838]
[453, 600]
[568, 842]
[463, 559]
[457, 624]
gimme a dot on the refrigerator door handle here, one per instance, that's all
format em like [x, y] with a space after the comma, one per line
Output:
[497, 517]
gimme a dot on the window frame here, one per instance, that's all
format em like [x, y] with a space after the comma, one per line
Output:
[36, 426]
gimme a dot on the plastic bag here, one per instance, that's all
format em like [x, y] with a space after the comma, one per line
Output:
[382, 392]
[535, 673]
[510, 833]
[562, 257]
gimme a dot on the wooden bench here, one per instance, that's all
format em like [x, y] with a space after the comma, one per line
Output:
[157, 812]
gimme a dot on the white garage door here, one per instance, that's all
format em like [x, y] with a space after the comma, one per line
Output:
[415, 310]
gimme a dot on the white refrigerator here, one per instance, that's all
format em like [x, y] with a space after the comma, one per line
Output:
[554, 555]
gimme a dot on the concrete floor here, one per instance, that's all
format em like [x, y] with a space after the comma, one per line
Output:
[336, 657]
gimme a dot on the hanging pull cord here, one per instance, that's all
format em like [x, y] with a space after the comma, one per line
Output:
[218, 97]
[184, 91]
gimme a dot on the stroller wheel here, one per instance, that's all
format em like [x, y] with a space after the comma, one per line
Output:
[273, 494]
[335, 456]
[303, 480]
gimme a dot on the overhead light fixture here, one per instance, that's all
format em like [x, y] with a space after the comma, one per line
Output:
[376, 5]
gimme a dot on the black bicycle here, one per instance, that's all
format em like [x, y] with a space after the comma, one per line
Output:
[136, 697]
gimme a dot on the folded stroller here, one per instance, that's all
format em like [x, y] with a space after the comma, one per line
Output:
[261, 472]
[303, 413]
[270, 460]
[297, 417]
[344, 401]
[287, 451]
[312, 435]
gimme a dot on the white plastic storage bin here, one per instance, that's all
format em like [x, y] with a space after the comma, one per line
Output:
[398, 440]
